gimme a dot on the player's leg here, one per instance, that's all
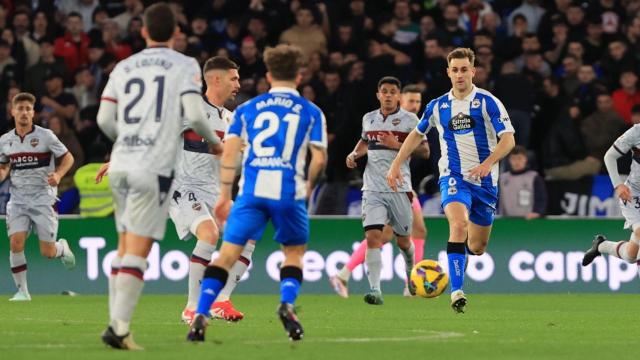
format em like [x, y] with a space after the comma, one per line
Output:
[625, 250]
[45, 220]
[478, 239]
[18, 263]
[223, 308]
[457, 216]
[401, 219]
[291, 224]
[418, 229]
[115, 268]
[340, 281]
[374, 217]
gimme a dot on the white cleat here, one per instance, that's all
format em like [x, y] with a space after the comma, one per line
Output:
[68, 259]
[339, 286]
[458, 301]
[21, 296]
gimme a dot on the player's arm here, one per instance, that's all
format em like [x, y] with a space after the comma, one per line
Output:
[66, 162]
[390, 141]
[316, 165]
[394, 176]
[503, 148]
[359, 151]
[611, 162]
[107, 118]
[197, 119]
[422, 150]
[232, 147]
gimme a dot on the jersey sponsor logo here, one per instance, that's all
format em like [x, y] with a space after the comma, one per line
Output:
[462, 123]
[196, 143]
[475, 104]
[137, 141]
[271, 162]
[34, 142]
[444, 106]
[373, 139]
[635, 154]
[22, 161]
[503, 119]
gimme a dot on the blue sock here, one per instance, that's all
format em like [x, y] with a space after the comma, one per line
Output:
[456, 257]
[213, 281]
[290, 281]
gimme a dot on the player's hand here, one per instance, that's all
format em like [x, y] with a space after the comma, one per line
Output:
[389, 140]
[623, 192]
[394, 177]
[216, 149]
[102, 172]
[222, 209]
[53, 179]
[480, 171]
[351, 160]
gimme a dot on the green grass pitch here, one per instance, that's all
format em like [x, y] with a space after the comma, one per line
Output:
[574, 326]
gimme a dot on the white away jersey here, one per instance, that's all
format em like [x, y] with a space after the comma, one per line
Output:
[630, 141]
[380, 157]
[32, 158]
[148, 87]
[468, 131]
[196, 167]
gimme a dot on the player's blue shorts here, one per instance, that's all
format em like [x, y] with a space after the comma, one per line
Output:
[250, 214]
[480, 200]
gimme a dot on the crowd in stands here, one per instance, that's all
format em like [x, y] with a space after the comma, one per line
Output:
[566, 71]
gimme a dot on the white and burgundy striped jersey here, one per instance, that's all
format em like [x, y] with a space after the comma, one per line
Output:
[32, 158]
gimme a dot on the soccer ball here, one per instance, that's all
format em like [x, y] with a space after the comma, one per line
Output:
[429, 278]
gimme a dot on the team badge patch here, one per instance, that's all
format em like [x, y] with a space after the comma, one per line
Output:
[34, 142]
[395, 122]
[475, 104]
[196, 206]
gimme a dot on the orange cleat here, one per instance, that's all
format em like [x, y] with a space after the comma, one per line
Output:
[225, 310]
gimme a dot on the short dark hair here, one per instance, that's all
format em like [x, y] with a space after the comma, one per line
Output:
[74, 14]
[461, 53]
[23, 96]
[411, 88]
[219, 63]
[160, 22]
[519, 150]
[390, 80]
[283, 61]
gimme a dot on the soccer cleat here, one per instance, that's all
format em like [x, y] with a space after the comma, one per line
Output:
[374, 297]
[339, 286]
[409, 286]
[290, 321]
[21, 296]
[188, 315]
[68, 259]
[225, 310]
[593, 252]
[197, 329]
[458, 301]
[124, 342]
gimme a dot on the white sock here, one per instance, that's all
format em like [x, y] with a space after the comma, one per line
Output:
[373, 259]
[59, 249]
[129, 284]
[344, 274]
[617, 249]
[408, 256]
[115, 267]
[18, 264]
[235, 273]
[200, 258]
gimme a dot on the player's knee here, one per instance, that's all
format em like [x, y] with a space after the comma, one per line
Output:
[477, 249]
[387, 234]
[208, 232]
[632, 251]
[459, 227]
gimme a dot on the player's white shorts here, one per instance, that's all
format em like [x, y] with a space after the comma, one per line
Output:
[631, 212]
[189, 208]
[24, 218]
[393, 208]
[141, 201]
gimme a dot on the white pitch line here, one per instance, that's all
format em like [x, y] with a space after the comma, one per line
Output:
[433, 335]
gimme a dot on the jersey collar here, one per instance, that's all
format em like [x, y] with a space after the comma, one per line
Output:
[282, 89]
[33, 128]
[384, 118]
[469, 97]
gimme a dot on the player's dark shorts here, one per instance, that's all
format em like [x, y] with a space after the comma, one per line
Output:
[480, 200]
[250, 214]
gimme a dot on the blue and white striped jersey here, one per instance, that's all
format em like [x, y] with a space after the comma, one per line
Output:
[278, 127]
[468, 131]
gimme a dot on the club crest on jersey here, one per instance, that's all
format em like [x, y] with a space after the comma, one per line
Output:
[196, 206]
[475, 104]
[34, 142]
[461, 123]
[395, 121]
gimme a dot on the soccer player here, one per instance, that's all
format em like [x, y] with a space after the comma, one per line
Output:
[280, 127]
[28, 154]
[141, 110]
[383, 131]
[410, 100]
[469, 120]
[629, 193]
[197, 186]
